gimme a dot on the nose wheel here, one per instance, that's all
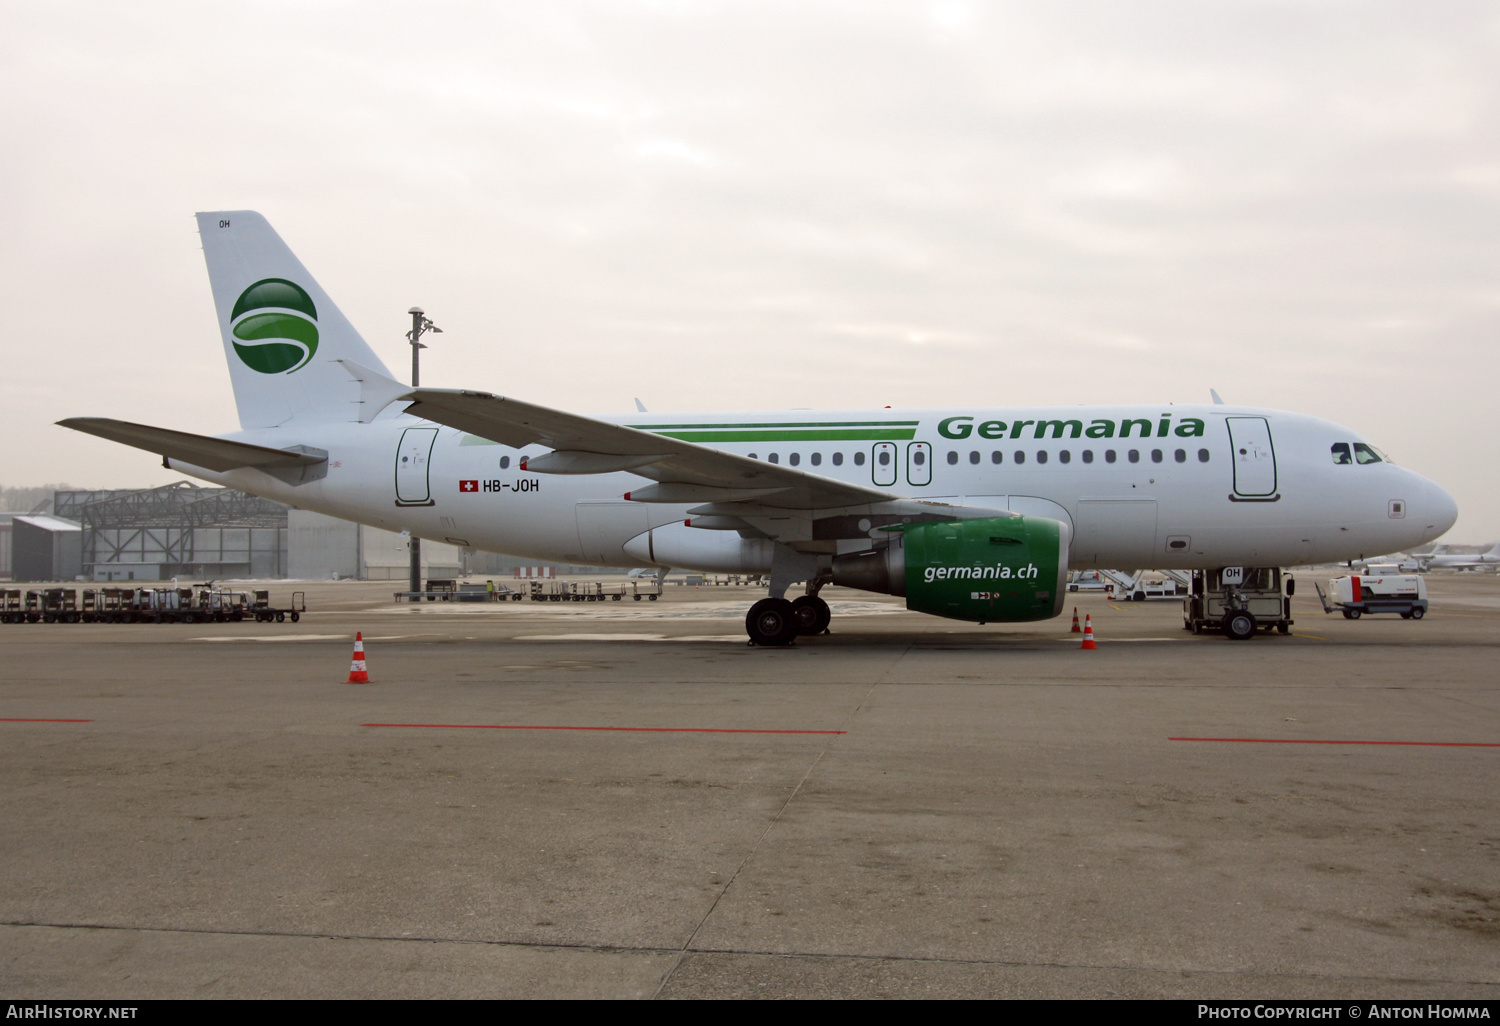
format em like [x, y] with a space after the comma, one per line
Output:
[1239, 626]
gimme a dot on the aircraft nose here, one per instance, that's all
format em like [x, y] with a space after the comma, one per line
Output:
[1439, 510]
[1447, 507]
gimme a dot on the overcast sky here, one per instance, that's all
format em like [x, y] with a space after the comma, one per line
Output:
[766, 205]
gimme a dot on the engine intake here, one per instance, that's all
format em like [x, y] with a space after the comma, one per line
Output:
[1006, 570]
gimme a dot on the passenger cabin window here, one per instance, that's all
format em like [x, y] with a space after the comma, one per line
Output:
[859, 459]
[794, 459]
[774, 458]
[1180, 455]
[953, 459]
[1134, 455]
[1065, 456]
[504, 462]
[1341, 455]
[1020, 456]
[1088, 455]
[974, 457]
[816, 459]
[885, 458]
[1109, 455]
[1202, 455]
[1041, 455]
[1365, 454]
[997, 457]
[838, 459]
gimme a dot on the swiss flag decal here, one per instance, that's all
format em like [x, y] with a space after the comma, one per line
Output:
[468, 486]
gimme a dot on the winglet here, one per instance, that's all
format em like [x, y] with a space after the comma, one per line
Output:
[1217, 400]
[376, 390]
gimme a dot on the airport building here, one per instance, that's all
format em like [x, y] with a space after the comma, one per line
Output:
[183, 530]
[44, 548]
[5, 529]
[177, 530]
[321, 548]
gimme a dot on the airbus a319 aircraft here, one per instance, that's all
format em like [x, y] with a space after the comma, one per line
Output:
[971, 513]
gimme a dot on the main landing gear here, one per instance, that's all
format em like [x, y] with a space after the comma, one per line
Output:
[812, 615]
[775, 622]
[771, 622]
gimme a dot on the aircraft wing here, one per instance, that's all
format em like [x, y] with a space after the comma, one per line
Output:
[685, 472]
[199, 450]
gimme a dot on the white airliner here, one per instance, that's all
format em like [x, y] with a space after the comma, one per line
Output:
[971, 513]
[1489, 560]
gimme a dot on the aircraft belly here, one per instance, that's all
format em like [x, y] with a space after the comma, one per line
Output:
[605, 527]
[1116, 533]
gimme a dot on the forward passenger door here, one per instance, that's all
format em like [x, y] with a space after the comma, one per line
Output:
[1254, 457]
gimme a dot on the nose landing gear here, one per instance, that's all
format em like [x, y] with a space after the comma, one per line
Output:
[1239, 625]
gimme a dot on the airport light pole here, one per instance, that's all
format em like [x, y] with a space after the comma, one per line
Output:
[419, 326]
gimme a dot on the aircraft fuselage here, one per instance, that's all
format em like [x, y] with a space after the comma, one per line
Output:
[1158, 486]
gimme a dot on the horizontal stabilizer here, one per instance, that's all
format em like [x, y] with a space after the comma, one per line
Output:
[199, 450]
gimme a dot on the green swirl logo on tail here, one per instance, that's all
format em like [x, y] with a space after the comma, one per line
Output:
[275, 326]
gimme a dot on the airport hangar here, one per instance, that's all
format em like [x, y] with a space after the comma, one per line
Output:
[185, 530]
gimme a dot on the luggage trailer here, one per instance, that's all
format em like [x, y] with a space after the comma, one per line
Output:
[201, 603]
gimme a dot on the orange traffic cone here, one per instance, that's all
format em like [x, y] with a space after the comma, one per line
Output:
[1076, 629]
[1088, 633]
[357, 673]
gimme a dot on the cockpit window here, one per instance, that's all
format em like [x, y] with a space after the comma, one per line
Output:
[1341, 454]
[1366, 454]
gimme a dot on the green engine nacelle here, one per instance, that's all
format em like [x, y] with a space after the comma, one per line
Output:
[993, 570]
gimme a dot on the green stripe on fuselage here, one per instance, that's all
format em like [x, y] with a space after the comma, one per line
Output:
[830, 434]
[782, 424]
[791, 431]
[803, 431]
